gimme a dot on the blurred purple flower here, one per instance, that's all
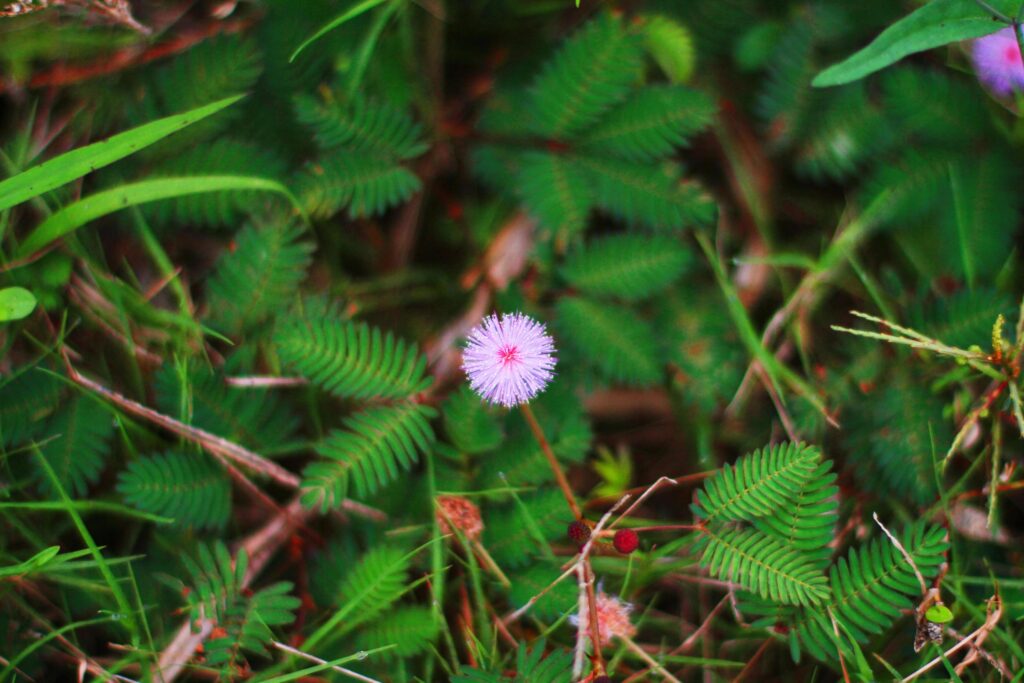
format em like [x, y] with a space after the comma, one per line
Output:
[509, 360]
[997, 62]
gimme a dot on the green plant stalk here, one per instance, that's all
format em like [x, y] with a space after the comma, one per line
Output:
[362, 60]
[437, 568]
[529, 522]
[997, 453]
[101, 562]
[330, 628]
[872, 287]
[164, 266]
[302, 673]
[87, 506]
[959, 209]
[752, 340]
[346, 16]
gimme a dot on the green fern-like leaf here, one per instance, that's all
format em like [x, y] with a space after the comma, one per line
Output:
[530, 666]
[509, 530]
[190, 487]
[626, 266]
[408, 631]
[908, 188]
[469, 423]
[786, 102]
[893, 431]
[759, 482]
[652, 196]
[224, 156]
[500, 168]
[980, 215]
[508, 113]
[651, 123]
[590, 73]
[806, 522]
[613, 338]
[226, 64]
[930, 105]
[533, 580]
[243, 619]
[963, 319]
[520, 461]
[350, 359]
[79, 448]
[763, 564]
[555, 190]
[847, 132]
[367, 185]
[25, 400]
[375, 583]
[377, 445]
[199, 396]
[702, 345]
[872, 588]
[362, 126]
[259, 277]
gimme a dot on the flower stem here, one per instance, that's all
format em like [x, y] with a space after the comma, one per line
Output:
[563, 483]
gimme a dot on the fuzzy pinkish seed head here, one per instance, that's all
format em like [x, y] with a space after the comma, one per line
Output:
[997, 61]
[509, 359]
[613, 618]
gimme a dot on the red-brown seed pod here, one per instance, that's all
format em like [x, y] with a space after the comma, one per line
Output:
[626, 541]
[462, 513]
[579, 531]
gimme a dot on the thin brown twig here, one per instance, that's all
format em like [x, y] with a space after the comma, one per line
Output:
[135, 55]
[903, 551]
[682, 480]
[209, 442]
[753, 660]
[556, 468]
[839, 650]
[990, 620]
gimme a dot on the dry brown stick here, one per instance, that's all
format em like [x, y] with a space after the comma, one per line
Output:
[904, 553]
[976, 648]
[215, 445]
[780, 407]
[131, 56]
[839, 650]
[210, 442]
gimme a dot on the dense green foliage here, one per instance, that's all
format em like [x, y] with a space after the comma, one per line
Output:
[776, 245]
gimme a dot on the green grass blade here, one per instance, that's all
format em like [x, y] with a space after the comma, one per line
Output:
[43, 640]
[100, 204]
[347, 15]
[78, 162]
[126, 612]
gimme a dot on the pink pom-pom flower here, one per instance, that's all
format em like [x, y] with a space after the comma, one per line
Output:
[997, 62]
[510, 359]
